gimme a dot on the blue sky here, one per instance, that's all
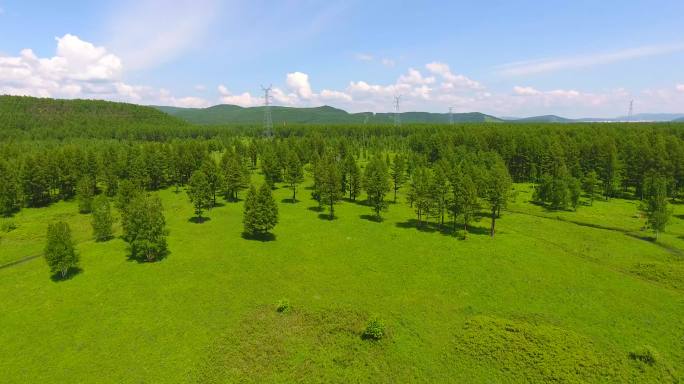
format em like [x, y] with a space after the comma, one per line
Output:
[508, 58]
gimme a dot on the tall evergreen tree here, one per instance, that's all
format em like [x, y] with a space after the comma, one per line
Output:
[398, 173]
[420, 194]
[102, 218]
[329, 181]
[376, 183]
[60, 253]
[9, 190]
[294, 173]
[465, 200]
[214, 177]
[351, 169]
[260, 211]
[497, 189]
[199, 192]
[236, 175]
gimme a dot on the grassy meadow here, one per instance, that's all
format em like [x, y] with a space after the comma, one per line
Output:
[580, 296]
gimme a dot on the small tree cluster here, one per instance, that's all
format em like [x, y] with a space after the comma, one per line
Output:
[144, 227]
[102, 218]
[376, 183]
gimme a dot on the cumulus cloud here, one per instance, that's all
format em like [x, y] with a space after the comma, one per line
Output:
[244, 99]
[79, 69]
[298, 82]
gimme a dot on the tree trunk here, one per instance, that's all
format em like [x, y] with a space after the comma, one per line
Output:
[294, 193]
[491, 231]
[332, 210]
[395, 194]
[465, 229]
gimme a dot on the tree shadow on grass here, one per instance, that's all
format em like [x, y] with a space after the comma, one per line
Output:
[263, 237]
[289, 201]
[326, 217]
[373, 218]
[199, 220]
[71, 273]
[315, 209]
[218, 204]
[680, 217]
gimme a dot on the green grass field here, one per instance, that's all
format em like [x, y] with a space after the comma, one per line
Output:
[555, 297]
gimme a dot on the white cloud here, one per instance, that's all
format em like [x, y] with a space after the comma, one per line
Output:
[244, 99]
[388, 62]
[298, 82]
[414, 77]
[680, 87]
[147, 33]
[451, 80]
[329, 95]
[364, 57]
[584, 61]
[79, 69]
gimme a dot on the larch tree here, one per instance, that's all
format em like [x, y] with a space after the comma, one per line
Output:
[376, 183]
[199, 192]
[655, 206]
[294, 173]
[59, 253]
[353, 173]
[260, 211]
[102, 218]
[329, 182]
[497, 189]
[589, 185]
[84, 194]
[398, 173]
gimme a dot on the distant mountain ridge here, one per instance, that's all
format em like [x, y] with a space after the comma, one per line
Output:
[233, 114]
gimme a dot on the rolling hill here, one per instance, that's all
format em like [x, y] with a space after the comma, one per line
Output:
[232, 114]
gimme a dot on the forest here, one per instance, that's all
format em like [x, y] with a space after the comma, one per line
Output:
[126, 180]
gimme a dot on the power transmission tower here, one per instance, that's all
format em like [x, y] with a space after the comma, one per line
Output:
[451, 115]
[397, 117]
[631, 110]
[268, 120]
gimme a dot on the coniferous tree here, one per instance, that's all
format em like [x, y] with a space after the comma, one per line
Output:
[655, 206]
[439, 190]
[398, 173]
[419, 192]
[84, 194]
[270, 167]
[589, 185]
[60, 253]
[199, 192]
[9, 190]
[144, 228]
[260, 211]
[102, 218]
[214, 177]
[497, 189]
[575, 191]
[376, 183]
[353, 173]
[236, 176]
[294, 173]
[329, 179]
[465, 200]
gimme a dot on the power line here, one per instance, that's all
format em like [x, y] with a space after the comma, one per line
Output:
[631, 110]
[268, 120]
[397, 116]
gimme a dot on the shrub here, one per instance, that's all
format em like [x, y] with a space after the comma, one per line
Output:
[645, 354]
[8, 226]
[375, 329]
[283, 306]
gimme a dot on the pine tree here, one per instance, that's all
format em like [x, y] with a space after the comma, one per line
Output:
[260, 211]
[376, 184]
[398, 173]
[270, 167]
[294, 173]
[420, 194]
[575, 190]
[144, 228]
[84, 194]
[199, 192]
[102, 218]
[59, 253]
[235, 175]
[465, 200]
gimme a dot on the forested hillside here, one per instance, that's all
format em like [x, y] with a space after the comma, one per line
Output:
[55, 118]
[233, 114]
